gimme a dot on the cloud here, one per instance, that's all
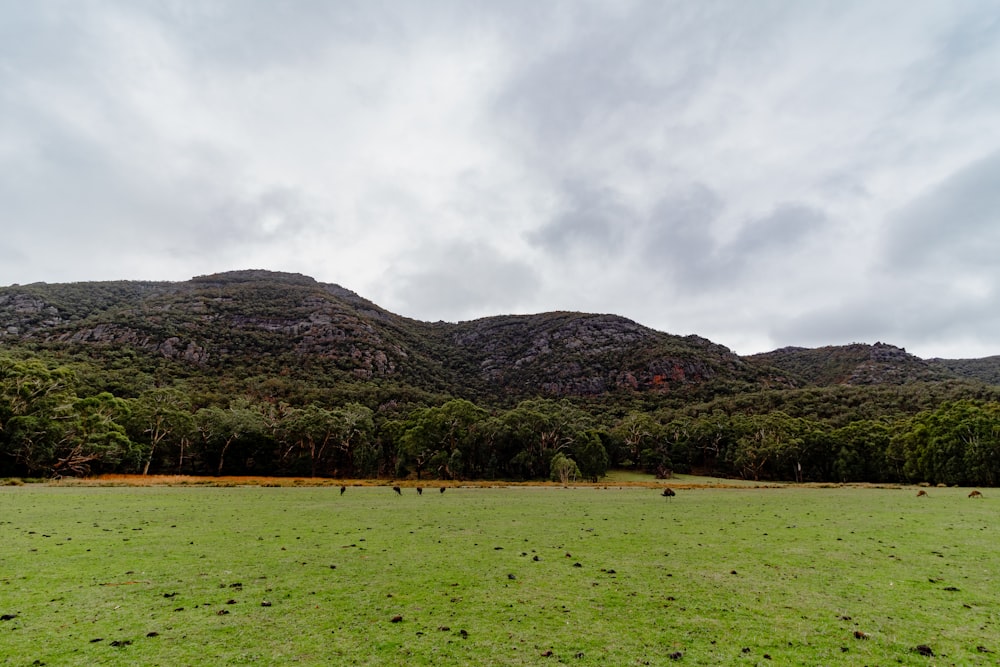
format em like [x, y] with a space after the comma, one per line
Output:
[458, 281]
[955, 223]
[590, 219]
[761, 175]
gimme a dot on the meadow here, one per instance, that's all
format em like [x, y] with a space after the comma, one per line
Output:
[589, 575]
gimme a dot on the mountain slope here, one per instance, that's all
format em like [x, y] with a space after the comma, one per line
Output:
[854, 364]
[248, 323]
[984, 370]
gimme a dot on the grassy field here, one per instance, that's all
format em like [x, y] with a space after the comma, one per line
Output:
[498, 576]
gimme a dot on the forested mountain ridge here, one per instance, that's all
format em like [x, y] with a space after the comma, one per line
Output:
[256, 372]
[283, 323]
[854, 364]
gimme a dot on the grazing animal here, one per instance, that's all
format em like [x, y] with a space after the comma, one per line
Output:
[920, 493]
[342, 489]
[420, 491]
[397, 490]
[442, 489]
[668, 493]
[975, 494]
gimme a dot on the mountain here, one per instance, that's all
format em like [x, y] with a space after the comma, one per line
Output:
[261, 323]
[984, 370]
[256, 372]
[263, 327]
[854, 364]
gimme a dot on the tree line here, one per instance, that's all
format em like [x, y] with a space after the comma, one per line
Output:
[51, 425]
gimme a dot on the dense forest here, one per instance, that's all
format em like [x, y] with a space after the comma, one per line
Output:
[254, 372]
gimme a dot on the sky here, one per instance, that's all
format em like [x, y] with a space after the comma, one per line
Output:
[759, 173]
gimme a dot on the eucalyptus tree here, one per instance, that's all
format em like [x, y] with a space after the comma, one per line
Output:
[767, 443]
[221, 428]
[94, 436]
[442, 438]
[36, 403]
[641, 436]
[161, 417]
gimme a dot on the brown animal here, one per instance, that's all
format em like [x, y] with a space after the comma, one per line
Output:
[975, 494]
[668, 493]
[397, 490]
[920, 493]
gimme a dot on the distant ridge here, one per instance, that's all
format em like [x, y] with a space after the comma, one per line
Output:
[261, 323]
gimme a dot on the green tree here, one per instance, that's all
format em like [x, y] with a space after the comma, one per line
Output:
[160, 417]
[221, 428]
[94, 435]
[563, 469]
[590, 454]
[769, 442]
[309, 431]
[434, 434]
[640, 435]
[34, 402]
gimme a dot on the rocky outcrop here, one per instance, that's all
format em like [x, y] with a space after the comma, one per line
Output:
[581, 354]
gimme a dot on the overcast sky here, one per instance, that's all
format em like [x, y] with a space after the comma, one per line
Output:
[759, 173]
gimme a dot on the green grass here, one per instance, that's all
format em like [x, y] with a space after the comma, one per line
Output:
[622, 576]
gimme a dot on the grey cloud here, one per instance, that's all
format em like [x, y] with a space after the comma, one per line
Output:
[678, 240]
[708, 151]
[901, 313]
[788, 225]
[458, 281]
[956, 224]
[593, 219]
[272, 214]
[254, 34]
[948, 74]
[682, 244]
[599, 66]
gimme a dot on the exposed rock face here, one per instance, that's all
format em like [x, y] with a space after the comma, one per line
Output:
[21, 311]
[191, 352]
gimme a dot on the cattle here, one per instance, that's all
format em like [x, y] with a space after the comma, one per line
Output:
[921, 493]
[668, 493]
[420, 491]
[342, 489]
[397, 490]
[442, 489]
[975, 494]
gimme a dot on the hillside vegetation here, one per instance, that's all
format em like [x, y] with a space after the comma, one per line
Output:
[276, 373]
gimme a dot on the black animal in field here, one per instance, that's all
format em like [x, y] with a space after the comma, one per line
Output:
[397, 490]
[442, 489]
[342, 489]
[668, 493]
[420, 491]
